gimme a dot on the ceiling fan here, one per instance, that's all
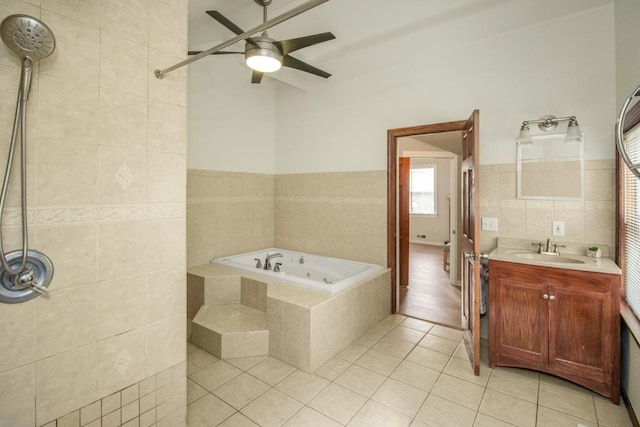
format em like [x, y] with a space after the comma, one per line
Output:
[264, 54]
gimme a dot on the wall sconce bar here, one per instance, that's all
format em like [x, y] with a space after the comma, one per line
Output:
[547, 124]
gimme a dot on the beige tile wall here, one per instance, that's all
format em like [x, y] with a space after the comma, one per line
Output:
[159, 400]
[344, 214]
[340, 214]
[591, 220]
[228, 213]
[107, 177]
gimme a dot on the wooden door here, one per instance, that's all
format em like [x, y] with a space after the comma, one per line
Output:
[471, 240]
[520, 318]
[580, 351]
[584, 323]
[404, 168]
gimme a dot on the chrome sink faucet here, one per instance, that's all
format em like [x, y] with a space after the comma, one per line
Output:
[267, 261]
[547, 248]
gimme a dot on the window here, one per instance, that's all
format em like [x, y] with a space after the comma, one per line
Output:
[422, 184]
[631, 226]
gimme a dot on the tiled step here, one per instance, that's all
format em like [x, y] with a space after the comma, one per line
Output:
[231, 330]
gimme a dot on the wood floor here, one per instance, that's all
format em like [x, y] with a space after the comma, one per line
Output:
[429, 295]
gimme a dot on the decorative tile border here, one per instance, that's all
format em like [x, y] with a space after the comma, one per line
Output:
[333, 200]
[73, 215]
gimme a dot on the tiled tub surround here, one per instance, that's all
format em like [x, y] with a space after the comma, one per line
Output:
[106, 198]
[306, 328]
[339, 214]
[232, 320]
[227, 213]
[586, 221]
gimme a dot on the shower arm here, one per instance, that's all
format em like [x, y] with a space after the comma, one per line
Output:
[268, 24]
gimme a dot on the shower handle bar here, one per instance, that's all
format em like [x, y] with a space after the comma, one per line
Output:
[633, 167]
[266, 25]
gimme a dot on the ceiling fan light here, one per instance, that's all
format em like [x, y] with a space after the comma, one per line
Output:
[263, 59]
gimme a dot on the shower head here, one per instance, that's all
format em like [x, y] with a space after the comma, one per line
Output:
[27, 37]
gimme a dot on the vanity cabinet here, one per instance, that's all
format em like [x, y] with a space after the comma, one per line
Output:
[555, 320]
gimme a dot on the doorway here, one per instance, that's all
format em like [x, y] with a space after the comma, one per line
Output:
[428, 215]
[428, 269]
[468, 236]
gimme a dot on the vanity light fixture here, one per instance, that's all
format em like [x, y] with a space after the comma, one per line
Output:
[548, 124]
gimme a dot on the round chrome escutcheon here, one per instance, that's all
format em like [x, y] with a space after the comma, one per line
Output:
[38, 270]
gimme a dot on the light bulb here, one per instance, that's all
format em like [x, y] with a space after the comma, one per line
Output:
[573, 132]
[524, 138]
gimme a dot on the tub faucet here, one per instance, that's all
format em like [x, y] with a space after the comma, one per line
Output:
[267, 261]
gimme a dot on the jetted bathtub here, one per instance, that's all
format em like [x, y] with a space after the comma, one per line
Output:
[307, 270]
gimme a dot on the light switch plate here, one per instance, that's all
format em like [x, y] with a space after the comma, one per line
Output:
[558, 228]
[489, 224]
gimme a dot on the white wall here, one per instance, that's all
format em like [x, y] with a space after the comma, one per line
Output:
[231, 121]
[483, 59]
[627, 46]
[436, 229]
[561, 67]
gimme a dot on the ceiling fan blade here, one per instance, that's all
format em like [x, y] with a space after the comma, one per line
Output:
[256, 77]
[291, 45]
[220, 52]
[224, 21]
[291, 62]
[230, 25]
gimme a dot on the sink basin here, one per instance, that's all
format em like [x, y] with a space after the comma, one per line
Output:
[553, 259]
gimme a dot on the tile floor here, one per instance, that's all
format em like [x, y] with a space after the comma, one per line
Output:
[403, 372]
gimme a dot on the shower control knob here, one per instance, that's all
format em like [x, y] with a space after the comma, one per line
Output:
[40, 289]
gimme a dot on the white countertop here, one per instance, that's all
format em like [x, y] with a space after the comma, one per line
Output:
[573, 257]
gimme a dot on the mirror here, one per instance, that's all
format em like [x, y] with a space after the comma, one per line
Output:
[550, 169]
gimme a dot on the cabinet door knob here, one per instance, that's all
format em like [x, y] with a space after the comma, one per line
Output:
[552, 297]
[545, 296]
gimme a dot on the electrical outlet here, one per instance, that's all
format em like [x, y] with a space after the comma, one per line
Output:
[489, 224]
[558, 228]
